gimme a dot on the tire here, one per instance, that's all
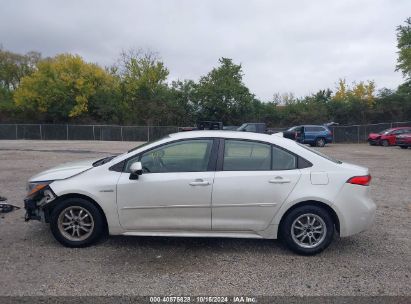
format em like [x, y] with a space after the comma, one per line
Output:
[385, 143]
[320, 142]
[84, 228]
[404, 147]
[290, 226]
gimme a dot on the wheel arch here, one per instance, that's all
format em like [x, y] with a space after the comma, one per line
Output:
[317, 203]
[49, 208]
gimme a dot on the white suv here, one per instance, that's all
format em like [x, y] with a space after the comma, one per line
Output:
[206, 183]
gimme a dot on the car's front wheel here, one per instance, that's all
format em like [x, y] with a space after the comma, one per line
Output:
[307, 229]
[76, 222]
[385, 143]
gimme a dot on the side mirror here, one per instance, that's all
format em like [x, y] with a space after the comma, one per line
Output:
[136, 169]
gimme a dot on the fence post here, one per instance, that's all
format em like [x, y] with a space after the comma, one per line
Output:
[16, 131]
[121, 132]
[94, 135]
[66, 131]
[41, 135]
[358, 134]
[148, 133]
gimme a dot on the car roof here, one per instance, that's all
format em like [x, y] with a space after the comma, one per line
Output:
[314, 126]
[309, 126]
[394, 129]
[227, 134]
[400, 128]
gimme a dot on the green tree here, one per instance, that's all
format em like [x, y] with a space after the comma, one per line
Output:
[13, 67]
[143, 86]
[63, 88]
[355, 103]
[404, 48]
[222, 95]
[182, 110]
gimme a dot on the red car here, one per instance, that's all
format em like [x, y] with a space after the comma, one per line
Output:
[403, 140]
[387, 137]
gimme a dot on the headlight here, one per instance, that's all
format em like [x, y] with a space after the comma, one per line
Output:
[34, 188]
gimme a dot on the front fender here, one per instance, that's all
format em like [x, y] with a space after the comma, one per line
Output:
[103, 193]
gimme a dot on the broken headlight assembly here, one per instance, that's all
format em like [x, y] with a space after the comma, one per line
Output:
[35, 188]
[38, 195]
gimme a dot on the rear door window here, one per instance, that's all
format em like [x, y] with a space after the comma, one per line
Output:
[242, 155]
[283, 160]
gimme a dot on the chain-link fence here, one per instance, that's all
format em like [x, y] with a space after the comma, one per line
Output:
[83, 132]
[359, 133]
[342, 134]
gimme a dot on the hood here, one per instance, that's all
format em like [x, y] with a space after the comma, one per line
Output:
[64, 170]
[374, 135]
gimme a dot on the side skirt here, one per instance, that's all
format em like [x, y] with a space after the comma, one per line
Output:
[222, 234]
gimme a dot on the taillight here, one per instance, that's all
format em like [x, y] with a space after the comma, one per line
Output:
[360, 180]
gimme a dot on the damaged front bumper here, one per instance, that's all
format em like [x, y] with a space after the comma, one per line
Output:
[36, 206]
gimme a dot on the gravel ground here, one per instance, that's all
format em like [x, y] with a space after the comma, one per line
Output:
[376, 262]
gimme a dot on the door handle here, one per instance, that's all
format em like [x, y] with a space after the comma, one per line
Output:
[279, 180]
[199, 182]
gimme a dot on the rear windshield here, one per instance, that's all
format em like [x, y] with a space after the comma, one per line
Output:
[321, 154]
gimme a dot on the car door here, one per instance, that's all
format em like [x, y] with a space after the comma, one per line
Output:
[254, 180]
[309, 135]
[392, 136]
[174, 191]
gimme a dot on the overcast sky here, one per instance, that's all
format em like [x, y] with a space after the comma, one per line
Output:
[283, 46]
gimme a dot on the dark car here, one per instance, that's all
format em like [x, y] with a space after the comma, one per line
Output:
[256, 127]
[387, 137]
[313, 135]
[403, 140]
[204, 125]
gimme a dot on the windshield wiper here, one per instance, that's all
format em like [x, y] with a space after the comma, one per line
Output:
[103, 161]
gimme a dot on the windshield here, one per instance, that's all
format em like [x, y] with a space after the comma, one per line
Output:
[385, 131]
[321, 154]
[242, 127]
[147, 143]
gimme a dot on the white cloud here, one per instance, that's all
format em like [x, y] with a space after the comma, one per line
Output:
[297, 46]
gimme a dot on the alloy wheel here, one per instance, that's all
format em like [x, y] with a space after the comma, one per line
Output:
[320, 142]
[75, 223]
[308, 230]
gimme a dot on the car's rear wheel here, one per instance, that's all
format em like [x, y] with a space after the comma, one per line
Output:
[385, 143]
[307, 229]
[76, 222]
[320, 142]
